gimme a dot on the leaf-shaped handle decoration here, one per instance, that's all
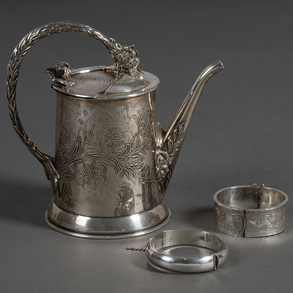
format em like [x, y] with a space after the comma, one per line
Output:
[125, 60]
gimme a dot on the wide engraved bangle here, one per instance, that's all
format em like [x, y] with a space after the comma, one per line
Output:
[250, 211]
[158, 255]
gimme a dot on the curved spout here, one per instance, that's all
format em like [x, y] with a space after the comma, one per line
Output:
[170, 142]
[188, 106]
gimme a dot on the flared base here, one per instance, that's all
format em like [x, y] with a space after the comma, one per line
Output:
[107, 228]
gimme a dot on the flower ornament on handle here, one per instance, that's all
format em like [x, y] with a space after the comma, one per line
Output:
[126, 60]
[59, 74]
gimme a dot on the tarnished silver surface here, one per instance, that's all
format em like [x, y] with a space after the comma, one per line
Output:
[112, 159]
[104, 156]
[250, 211]
[160, 251]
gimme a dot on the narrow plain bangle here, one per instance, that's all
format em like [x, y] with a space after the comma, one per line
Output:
[159, 257]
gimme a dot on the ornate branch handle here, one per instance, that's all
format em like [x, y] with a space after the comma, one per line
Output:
[125, 59]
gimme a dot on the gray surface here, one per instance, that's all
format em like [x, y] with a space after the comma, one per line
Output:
[241, 133]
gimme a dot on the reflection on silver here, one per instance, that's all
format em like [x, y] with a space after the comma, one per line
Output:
[159, 257]
[82, 221]
[107, 227]
[113, 161]
[250, 211]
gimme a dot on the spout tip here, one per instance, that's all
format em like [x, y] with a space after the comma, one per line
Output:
[219, 64]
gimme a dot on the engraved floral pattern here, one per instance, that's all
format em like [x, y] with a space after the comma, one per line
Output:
[101, 142]
[125, 202]
[221, 214]
[149, 186]
[229, 222]
[89, 172]
[265, 222]
[235, 221]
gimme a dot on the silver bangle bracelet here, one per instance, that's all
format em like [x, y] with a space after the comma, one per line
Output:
[159, 256]
[250, 211]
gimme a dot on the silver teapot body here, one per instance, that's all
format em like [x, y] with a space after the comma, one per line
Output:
[106, 163]
[113, 161]
[104, 156]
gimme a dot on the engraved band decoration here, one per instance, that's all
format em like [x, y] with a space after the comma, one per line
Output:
[125, 59]
[250, 211]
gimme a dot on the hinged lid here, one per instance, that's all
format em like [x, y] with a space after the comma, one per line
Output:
[124, 79]
[100, 82]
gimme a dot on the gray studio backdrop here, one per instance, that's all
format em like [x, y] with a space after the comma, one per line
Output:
[241, 133]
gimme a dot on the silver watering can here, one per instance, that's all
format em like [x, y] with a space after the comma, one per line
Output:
[113, 161]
